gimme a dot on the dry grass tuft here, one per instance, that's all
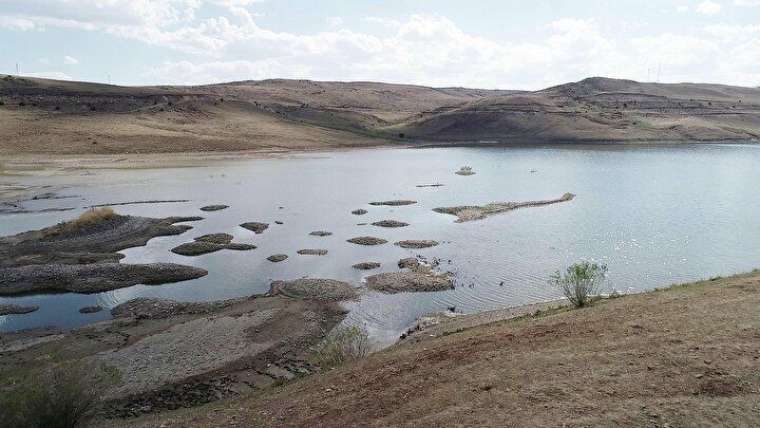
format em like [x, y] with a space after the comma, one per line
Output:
[88, 218]
[64, 396]
[92, 216]
[343, 345]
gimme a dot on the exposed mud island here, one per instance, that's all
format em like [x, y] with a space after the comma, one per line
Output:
[209, 244]
[474, 212]
[81, 256]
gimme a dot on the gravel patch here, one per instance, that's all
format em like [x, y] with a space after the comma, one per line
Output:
[185, 350]
[390, 223]
[255, 227]
[399, 282]
[474, 212]
[236, 246]
[214, 207]
[367, 240]
[314, 288]
[196, 248]
[394, 203]
[210, 243]
[415, 243]
[312, 252]
[276, 258]
[408, 263]
[91, 278]
[366, 265]
[216, 238]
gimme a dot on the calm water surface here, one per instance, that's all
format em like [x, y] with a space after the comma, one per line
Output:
[656, 215]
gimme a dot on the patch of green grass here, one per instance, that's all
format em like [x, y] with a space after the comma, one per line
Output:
[580, 282]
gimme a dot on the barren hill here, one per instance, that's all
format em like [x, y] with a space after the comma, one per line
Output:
[600, 109]
[49, 116]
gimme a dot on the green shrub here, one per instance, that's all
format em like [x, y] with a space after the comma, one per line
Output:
[342, 345]
[580, 282]
[60, 397]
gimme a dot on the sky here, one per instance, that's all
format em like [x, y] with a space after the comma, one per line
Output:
[478, 43]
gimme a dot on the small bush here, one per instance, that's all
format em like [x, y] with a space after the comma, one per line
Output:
[60, 397]
[342, 345]
[580, 282]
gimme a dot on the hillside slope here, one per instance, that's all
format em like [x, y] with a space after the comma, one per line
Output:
[600, 109]
[59, 117]
[685, 356]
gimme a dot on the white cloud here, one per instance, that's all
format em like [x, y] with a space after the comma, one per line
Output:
[747, 3]
[225, 42]
[16, 23]
[106, 12]
[682, 9]
[188, 73]
[422, 49]
[709, 7]
[70, 60]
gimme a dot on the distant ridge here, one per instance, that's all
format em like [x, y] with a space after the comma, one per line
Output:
[51, 116]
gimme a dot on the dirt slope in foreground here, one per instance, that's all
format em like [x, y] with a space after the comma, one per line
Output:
[687, 356]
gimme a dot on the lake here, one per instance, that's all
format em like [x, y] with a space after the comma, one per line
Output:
[655, 214]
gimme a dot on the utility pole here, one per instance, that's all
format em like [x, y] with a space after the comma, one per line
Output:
[17, 70]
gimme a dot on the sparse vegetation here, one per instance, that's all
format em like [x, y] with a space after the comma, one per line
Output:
[342, 345]
[60, 397]
[86, 219]
[580, 282]
[92, 216]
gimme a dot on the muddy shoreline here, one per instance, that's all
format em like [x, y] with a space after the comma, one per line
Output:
[173, 354]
